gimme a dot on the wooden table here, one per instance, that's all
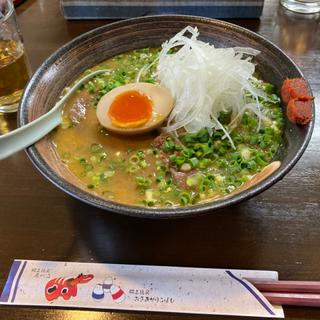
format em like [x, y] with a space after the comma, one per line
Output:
[277, 230]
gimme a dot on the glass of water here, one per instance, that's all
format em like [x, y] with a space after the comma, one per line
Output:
[14, 67]
[302, 6]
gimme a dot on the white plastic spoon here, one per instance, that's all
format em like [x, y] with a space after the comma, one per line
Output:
[25, 136]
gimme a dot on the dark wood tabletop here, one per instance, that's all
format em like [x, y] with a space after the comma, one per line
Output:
[277, 230]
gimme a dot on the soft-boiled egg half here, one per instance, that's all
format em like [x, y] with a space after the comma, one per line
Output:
[134, 108]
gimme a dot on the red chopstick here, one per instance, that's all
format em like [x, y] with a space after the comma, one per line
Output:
[293, 299]
[295, 293]
[288, 286]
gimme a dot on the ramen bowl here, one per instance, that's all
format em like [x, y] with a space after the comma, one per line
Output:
[91, 48]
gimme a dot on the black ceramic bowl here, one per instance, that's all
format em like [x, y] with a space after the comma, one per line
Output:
[68, 62]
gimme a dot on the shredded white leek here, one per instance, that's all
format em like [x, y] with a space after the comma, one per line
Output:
[205, 81]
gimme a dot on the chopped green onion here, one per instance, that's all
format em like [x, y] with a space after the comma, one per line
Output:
[140, 155]
[186, 153]
[186, 167]
[93, 159]
[168, 203]
[148, 203]
[102, 157]
[96, 148]
[185, 198]
[108, 174]
[168, 145]
[134, 159]
[143, 182]
[159, 178]
[260, 161]
[143, 164]
[194, 180]
[204, 163]
[194, 162]
[133, 168]
[95, 180]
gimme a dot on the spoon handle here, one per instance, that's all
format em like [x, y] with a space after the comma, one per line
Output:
[25, 136]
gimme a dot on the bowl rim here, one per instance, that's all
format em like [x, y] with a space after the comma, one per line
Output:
[139, 211]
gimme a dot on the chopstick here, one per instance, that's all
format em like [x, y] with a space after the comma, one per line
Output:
[293, 299]
[288, 286]
[294, 293]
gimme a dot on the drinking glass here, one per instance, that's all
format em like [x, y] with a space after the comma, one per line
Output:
[14, 67]
[302, 6]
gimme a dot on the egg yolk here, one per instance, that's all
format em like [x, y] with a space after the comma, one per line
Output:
[130, 109]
